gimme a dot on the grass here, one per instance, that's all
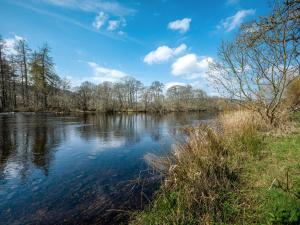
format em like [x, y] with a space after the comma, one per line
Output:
[239, 174]
[273, 182]
[195, 175]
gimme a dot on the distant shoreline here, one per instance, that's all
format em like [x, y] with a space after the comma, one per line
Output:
[109, 112]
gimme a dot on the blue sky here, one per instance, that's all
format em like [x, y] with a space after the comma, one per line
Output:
[167, 40]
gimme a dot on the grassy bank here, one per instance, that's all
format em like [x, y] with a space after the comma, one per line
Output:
[240, 172]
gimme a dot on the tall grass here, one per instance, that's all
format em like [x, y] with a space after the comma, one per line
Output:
[242, 132]
[214, 176]
[197, 180]
[201, 175]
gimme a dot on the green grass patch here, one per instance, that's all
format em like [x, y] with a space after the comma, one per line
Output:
[167, 208]
[296, 116]
[273, 183]
[282, 207]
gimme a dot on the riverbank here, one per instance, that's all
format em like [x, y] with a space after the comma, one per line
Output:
[241, 172]
[59, 112]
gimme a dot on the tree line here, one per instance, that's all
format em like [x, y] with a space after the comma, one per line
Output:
[28, 82]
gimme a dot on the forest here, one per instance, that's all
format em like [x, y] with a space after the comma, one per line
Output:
[29, 82]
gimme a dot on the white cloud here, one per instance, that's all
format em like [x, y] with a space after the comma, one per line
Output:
[115, 24]
[232, 22]
[181, 25]
[111, 7]
[191, 66]
[171, 84]
[100, 20]
[10, 43]
[163, 54]
[75, 22]
[112, 141]
[105, 74]
[181, 48]
[103, 8]
[204, 85]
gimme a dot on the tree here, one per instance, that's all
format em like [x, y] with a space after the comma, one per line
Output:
[105, 94]
[174, 96]
[257, 67]
[65, 100]
[13, 82]
[22, 57]
[5, 79]
[43, 75]
[119, 90]
[84, 94]
[185, 98]
[156, 89]
[145, 97]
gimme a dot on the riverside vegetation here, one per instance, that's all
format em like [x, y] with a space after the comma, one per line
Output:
[236, 173]
[244, 168]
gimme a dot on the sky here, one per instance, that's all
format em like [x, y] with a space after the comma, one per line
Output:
[172, 41]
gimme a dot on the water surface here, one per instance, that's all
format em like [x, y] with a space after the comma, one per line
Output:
[80, 169]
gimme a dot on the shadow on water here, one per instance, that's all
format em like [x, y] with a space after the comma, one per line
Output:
[81, 169]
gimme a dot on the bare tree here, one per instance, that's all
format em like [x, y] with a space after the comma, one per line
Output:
[84, 95]
[184, 98]
[22, 57]
[257, 67]
[156, 89]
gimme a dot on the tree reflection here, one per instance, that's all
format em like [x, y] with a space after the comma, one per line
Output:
[27, 140]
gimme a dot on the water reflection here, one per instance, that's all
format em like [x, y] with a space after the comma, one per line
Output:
[26, 140]
[79, 169]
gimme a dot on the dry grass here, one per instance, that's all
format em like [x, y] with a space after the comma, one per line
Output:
[198, 176]
[242, 121]
[211, 177]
